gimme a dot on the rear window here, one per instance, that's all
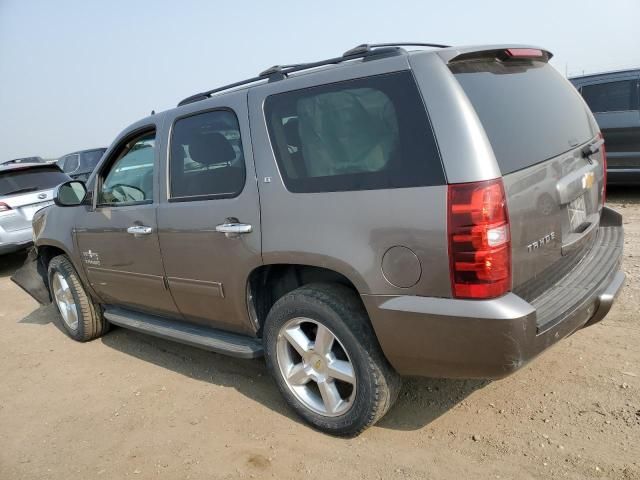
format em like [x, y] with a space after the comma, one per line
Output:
[363, 134]
[612, 96]
[30, 180]
[529, 111]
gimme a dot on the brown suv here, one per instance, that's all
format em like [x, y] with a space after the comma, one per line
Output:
[434, 212]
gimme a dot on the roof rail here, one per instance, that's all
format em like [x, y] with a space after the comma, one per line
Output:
[279, 72]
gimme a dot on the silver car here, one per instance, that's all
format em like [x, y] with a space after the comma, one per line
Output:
[25, 188]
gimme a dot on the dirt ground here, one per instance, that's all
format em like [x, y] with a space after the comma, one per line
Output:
[129, 405]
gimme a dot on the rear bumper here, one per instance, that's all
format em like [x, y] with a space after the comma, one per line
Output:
[438, 337]
[15, 240]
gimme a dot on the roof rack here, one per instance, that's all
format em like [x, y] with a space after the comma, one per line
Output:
[368, 47]
[279, 72]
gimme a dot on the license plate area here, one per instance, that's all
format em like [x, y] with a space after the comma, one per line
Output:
[30, 211]
[577, 211]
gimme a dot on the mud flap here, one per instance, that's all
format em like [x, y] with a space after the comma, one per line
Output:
[31, 278]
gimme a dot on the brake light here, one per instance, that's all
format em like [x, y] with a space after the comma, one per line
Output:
[603, 152]
[524, 53]
[4, 207]
[479, 240]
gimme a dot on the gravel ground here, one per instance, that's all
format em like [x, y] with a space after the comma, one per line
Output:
[128, 405]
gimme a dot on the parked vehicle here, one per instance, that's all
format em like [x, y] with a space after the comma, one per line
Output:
[25, 188]
[353, 220]
[79, 165]
[614, 98]
[24, 160]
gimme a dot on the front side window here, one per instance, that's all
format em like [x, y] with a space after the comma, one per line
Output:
[612, 96]
[207, 160]
[363, 134]
[129, 180]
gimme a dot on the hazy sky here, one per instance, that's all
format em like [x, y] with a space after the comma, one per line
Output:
[75, 73]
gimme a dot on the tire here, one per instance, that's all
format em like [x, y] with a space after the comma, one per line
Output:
[89, 324]
[350, 406]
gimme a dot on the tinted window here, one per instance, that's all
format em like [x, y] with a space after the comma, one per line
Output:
[611, 97]
[71, 163]
[91, 158]
[529, 111]
[30, 180]
[130, 178]
[206, 156]
[363, 134]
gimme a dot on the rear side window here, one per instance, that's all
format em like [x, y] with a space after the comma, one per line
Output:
[528, 110]
[364, 134]
[30, 180]
[206, 157]
[612, 96]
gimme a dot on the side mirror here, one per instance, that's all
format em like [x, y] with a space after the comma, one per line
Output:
[70, 194]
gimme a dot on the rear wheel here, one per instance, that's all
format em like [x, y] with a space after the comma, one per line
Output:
[327, 361]
[81, 317]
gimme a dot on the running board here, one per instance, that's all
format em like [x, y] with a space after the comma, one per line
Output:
[197, 336]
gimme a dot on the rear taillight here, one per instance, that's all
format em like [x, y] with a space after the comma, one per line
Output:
[603, 152]
[479, 240]
[4, 207]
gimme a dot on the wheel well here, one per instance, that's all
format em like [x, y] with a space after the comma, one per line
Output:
[268, 283]
[47, 252]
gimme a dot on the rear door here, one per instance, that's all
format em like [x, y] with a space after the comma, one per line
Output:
[615, 104]
[538, 126]
[209, 218]
[118, 238]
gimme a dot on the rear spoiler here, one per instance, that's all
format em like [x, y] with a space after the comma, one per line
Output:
[503, 53]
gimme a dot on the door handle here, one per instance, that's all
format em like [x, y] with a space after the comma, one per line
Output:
[233, 229]
[138, 230]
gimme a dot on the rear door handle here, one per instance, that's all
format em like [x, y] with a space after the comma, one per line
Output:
[233, 229]
[138, 230]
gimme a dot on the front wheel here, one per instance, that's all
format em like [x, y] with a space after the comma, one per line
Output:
[81, 317]
[326, 360]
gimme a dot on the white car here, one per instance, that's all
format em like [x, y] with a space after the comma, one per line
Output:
[25, 188]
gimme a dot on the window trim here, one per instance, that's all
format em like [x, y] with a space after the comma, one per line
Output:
[115, 155]
[208, 196]
[272, 141]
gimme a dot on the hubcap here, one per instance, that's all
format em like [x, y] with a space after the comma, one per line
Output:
[316, 367]
[65, 301]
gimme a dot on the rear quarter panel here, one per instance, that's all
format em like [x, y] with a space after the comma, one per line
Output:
[348, 232]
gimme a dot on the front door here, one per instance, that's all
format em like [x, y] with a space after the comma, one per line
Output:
[118, 241]
[209, 221]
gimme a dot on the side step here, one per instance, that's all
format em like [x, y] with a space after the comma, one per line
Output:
[202, 337]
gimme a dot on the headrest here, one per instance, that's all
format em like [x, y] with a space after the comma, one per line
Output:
[208, 149]
[291, 132]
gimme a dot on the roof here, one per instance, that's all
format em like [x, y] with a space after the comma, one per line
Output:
[280, 72]
[364, 52]
[602, 74]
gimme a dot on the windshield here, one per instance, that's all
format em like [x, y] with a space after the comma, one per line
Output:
[91, 158]
[30, 180]
[529, 111]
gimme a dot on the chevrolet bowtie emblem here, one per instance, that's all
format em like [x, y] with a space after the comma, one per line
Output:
[588, 179]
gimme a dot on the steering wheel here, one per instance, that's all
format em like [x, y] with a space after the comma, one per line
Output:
[120, 190]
